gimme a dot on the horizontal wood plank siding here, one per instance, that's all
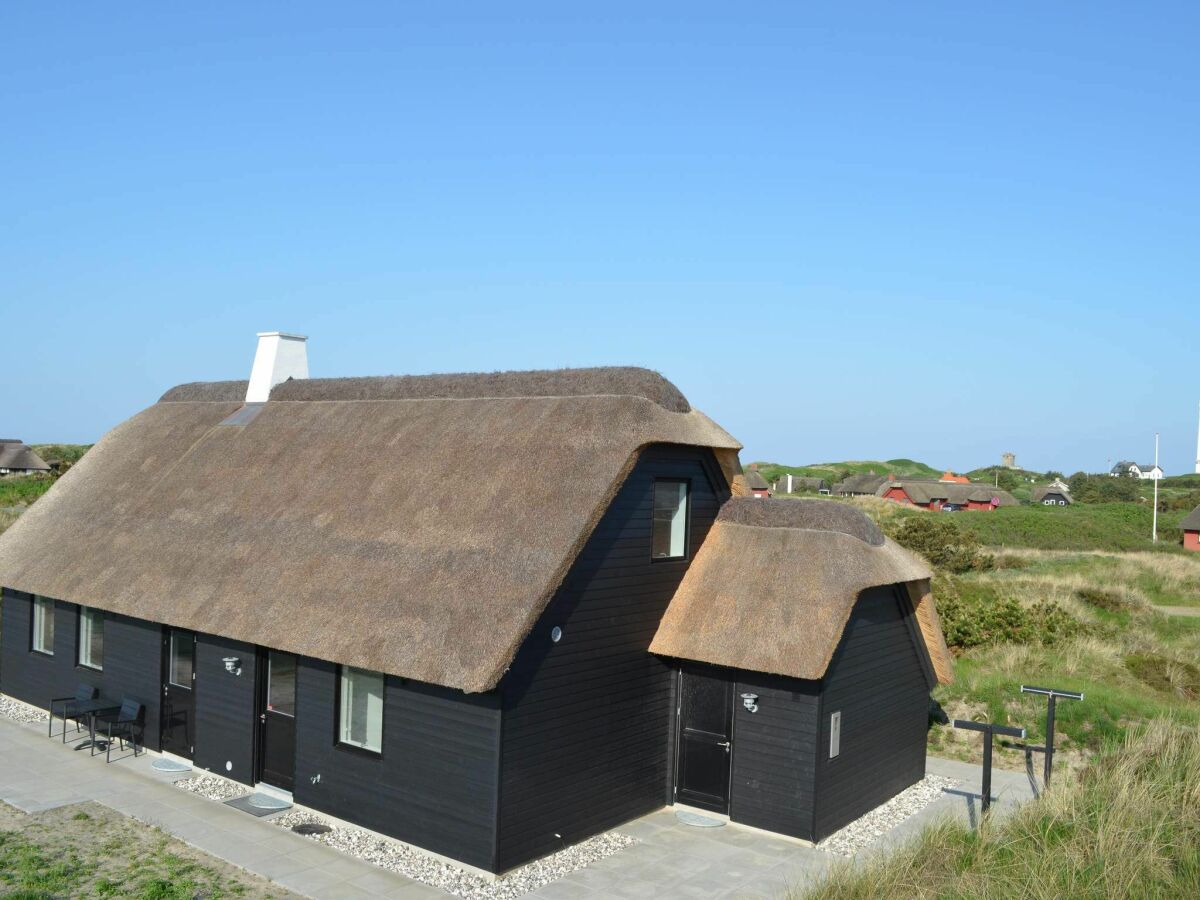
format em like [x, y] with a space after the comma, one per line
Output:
[774, 754]
[877, 680]
[586, 720]
[434, 785]
[132, 659]
[226, 711]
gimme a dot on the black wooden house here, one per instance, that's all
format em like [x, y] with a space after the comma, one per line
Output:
[303, 595]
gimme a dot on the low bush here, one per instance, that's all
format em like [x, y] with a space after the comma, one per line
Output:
[1103, 599]
[942, 542]
[984, 618]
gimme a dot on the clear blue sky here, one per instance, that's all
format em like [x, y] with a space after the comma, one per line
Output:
[939, 231]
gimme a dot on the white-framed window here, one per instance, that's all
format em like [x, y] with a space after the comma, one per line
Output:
[91, 638]
[668, 538]
[43, 625]
[360, 709]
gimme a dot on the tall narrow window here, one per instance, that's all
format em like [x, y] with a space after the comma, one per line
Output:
[360, 711]
[669, 537]
[43, 625]
[91, 638]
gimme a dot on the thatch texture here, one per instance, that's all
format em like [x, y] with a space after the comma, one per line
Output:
[1038, 494]
[210, 391]
[1191, 522]
[859, 484]
[920, 595]
[339, 528]
[16, 456]
[775, 597]
[811, 515]
[926, 492]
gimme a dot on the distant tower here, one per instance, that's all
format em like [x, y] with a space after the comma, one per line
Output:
[1010, 460]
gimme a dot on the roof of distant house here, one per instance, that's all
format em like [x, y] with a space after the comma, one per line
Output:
[1038, 494]
[755, 481]
[1191, 521]
[16, 455]
[793, 569]
[923, 492]
[333, 524]
[859, 484]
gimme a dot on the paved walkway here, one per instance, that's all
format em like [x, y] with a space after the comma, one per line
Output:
[671, 861]
[1192, 611]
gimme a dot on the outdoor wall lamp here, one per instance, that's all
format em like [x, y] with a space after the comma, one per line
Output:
[232, 665]
[750, 702]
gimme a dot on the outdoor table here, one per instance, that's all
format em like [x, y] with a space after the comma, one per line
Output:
[90, 708]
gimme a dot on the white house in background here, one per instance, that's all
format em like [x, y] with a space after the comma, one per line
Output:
[18, 459]
[1145, 472]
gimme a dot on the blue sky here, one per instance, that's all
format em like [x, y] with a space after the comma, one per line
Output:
[938, 231]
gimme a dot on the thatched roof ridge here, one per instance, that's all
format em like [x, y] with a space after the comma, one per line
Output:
[1038, 494]
[15, 455]
[1191, 522]
[812, 515]
[338, 529]
[923, 492]
[859, 484]
[777, 599]
[206, 391]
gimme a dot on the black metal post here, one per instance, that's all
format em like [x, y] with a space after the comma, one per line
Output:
[1051, 695]
[988, 731]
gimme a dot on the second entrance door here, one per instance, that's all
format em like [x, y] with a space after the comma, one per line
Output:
[705, 738]
[277, 720]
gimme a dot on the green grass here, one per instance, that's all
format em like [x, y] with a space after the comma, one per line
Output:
[1127, 826]
[831, 472]
[23, 489]
[70, 453]
[1101, 526]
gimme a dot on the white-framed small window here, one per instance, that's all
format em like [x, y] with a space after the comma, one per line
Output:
[91, 638]
[835, 734]
[43, 625]
[669, 534]
[360, 709]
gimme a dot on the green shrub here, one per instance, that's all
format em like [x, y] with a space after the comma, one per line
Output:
[986, 619]
[943, 543]
[1102, 599]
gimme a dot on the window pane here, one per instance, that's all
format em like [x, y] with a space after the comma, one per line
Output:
[43, 625]
[362, 709]
[281, 683]
[91, 638]
[669, 538]
[182, 646]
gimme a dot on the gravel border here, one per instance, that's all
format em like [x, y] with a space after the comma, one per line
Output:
[18, 711]
[213, 787]
[864, 831]
[414, 864]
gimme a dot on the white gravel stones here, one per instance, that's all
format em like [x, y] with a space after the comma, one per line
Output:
[428, 870]
[213, 787]
[14, 709]
[863, 832]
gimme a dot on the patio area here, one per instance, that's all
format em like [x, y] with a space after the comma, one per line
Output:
[669, 860]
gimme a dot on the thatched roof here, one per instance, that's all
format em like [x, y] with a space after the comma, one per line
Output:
[337, 528]
[15, 455]
[773, 585]
[1038, 494]
[923, 492]
[859, 484]
[755, 481]
[1191, 522]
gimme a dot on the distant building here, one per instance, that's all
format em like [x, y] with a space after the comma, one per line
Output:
[1146, 472]
[951, 478]
[1008, 460]
[797, 484]
[936, 494]
[1051, 495]
[859, 485]
[1060, 485]
[1191, 530]
[756, 484]
[17, 459]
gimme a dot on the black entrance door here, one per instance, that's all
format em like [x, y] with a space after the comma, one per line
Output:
[277, 719]
[705, 738]
[179, 692]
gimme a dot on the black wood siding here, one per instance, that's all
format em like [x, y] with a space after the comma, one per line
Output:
[774, 754]
[225, 709]
[877, 680]
[586, 720]
[132, 659]
[435, 783]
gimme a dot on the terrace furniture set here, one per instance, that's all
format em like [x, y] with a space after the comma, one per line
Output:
[121, 721]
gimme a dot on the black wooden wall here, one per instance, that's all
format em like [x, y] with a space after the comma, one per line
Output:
[877, 678]
[586, 720]
[435, 783]
[774, 754]
[132, 659]
[226, 708]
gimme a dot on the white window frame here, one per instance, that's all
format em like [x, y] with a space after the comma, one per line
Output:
[372, 741]
[89, 621]
[678, 523]
[43, 613]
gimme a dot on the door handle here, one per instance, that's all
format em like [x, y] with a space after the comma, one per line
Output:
[724, 744]
[262, 717]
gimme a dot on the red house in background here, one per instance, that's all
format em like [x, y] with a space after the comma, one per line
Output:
[756, 483]
[936, 494]
[1191, 530]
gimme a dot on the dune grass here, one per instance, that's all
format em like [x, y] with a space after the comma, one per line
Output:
[1126, 826]
[1096, 526]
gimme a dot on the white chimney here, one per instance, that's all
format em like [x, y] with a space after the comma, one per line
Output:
[279, 357]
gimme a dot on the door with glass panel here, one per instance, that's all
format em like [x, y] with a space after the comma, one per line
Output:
[277, 719]
[179, 693]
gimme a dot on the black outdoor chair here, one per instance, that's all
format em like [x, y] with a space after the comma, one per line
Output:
[70, 710]
[127, 724]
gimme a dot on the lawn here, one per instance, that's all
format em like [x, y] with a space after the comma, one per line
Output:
[1127, 826]
[89, 850]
